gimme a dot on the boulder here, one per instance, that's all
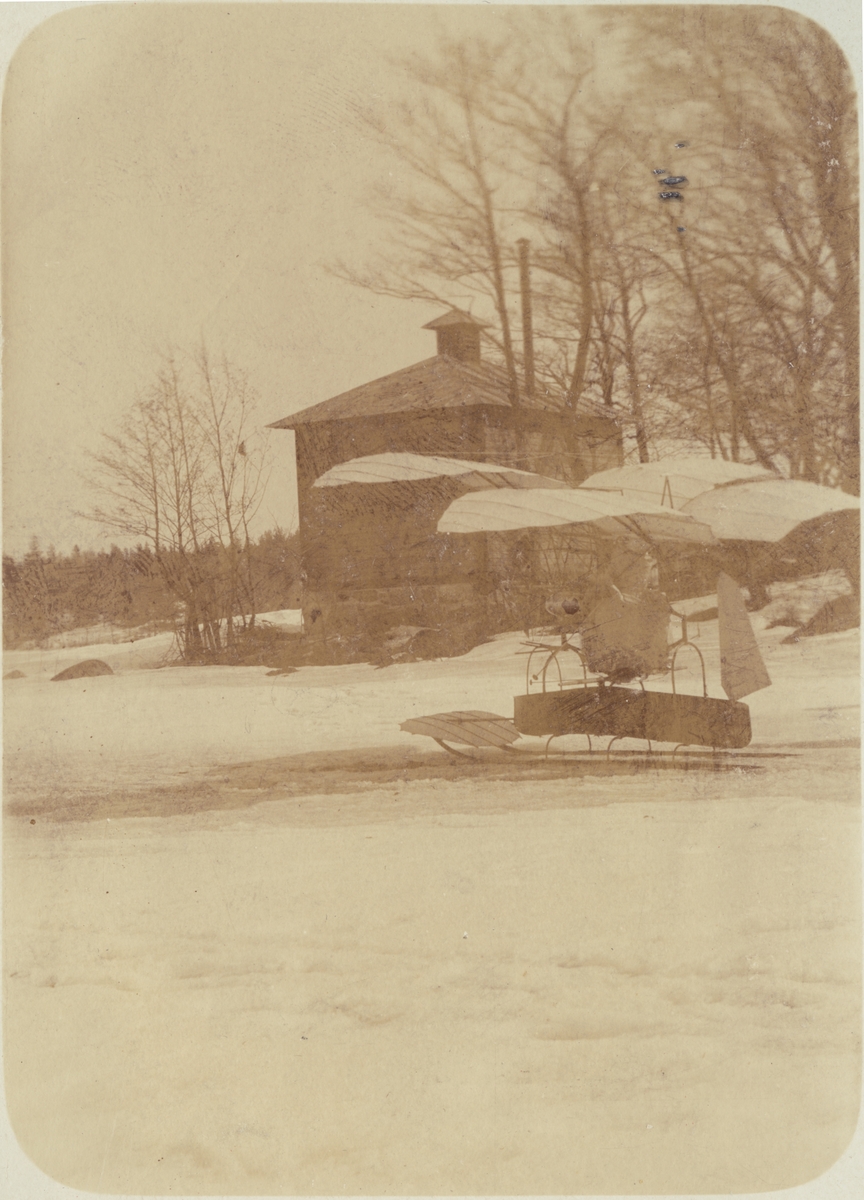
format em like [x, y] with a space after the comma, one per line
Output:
[14, 675]
[90, 666]
[838, 615]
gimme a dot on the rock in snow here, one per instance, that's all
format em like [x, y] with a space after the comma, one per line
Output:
[90, 666]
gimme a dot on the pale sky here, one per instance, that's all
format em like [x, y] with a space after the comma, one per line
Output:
[175, 172]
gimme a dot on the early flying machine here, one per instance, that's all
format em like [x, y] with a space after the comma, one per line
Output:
[612, 635]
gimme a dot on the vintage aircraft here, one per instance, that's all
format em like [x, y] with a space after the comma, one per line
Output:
[615, 631]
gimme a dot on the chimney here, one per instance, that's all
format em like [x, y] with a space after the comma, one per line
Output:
[458, 335]
[527, 321]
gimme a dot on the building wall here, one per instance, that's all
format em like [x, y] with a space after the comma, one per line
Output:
[374, 561]
[385, 535]
[554, 444]
[550, 443]
[452, 432]
[372, 554]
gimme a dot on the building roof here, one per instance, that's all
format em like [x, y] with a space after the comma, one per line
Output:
[456, 317]
[439, 382]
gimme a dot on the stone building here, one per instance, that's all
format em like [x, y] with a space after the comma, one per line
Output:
[372, 555]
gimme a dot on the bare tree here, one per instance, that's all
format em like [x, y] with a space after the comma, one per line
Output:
[444, 230]
[766, 266]
[506, 138]
[184, 475]
[524, 137]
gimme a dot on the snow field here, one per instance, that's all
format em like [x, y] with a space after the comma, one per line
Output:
[647, 983]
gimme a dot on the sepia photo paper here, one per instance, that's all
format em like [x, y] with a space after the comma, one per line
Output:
[431, 600]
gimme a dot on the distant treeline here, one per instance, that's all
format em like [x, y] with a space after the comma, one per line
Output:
[46, 593]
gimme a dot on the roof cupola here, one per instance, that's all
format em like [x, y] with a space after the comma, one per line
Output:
[458, 335]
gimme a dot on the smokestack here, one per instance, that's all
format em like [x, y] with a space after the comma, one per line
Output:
[527, 323]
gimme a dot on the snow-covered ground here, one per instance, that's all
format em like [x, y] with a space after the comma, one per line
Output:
[122, 649]
[259, 940]
[144, 726]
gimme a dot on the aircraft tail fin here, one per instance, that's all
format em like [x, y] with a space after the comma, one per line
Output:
[742, 670]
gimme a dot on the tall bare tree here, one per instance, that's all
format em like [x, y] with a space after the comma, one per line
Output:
[184, 474]
[445, 225]
[768, 262]
[728, 319]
